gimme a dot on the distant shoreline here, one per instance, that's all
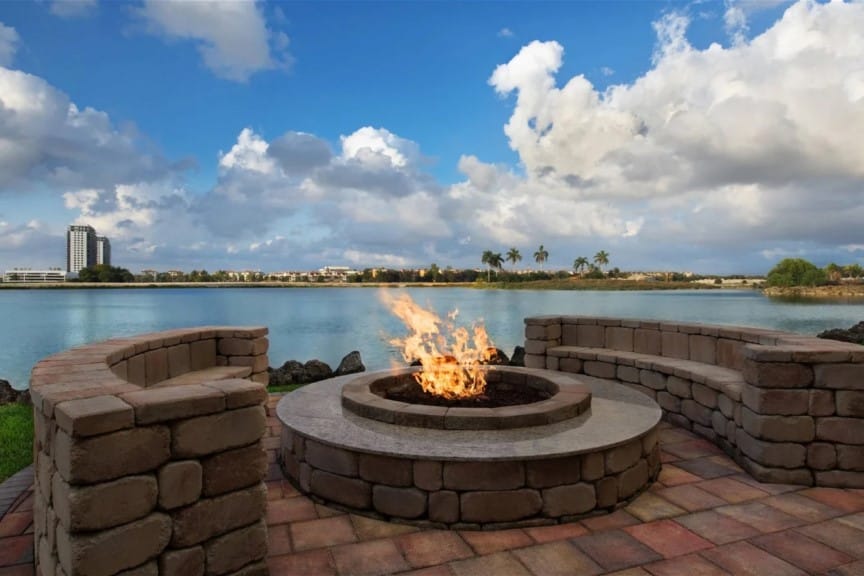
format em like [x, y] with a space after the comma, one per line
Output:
[833, 292]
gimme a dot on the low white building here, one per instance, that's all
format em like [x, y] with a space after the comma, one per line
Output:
[23, 275]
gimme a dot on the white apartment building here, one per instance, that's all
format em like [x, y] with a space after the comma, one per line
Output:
[22, 275]
[80, 247]
[103, 250]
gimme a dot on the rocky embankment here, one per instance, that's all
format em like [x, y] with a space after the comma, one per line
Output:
[295, 372]
[838, 291]
[9, 395]
[855, 334]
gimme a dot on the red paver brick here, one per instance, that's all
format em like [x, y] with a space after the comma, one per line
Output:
[717, 528]
[845, 500]
[802, 507]
[692, 449]
[668, 538]
[274, 490]
[763, 518]
[666, 457]
[25, 503]
[372, 529]
[369, 558]
[543, 534]
[317, 562]
[290, 510]
[648, 506]
[279, 540]
[853, 569]
[492, 565]
[327, 512]
[557, 558]
[689, 497]
[838, 535]
[670, 436]
[743, 559]
[637, 571]
[671, 475]
[731, 490]
[801, 551]
[488, 542]
[434, 547]
[289, 491]
[853, 520]
[769, 488]
[16, 550]
[322, 533]
[442, 570]
[690, 565]
[15, 523]
[706, 468]
[617, 519]
[615, 549]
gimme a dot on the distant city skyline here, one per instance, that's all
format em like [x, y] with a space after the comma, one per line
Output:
[85, 248]
[712, 136]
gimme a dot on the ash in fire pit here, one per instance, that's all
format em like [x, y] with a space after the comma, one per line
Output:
[494, 396]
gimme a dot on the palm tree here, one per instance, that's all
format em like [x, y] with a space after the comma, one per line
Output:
[601, 258]
[513, 256]
[580, 264]
[496, 261]
[541, 255]
[487, 257]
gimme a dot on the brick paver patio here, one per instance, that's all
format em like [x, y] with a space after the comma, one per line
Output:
[704, 516]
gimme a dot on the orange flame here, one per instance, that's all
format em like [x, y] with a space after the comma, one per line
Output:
[450, 356]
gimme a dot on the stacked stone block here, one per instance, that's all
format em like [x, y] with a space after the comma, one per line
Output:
[471, 495]
[789, 408]
[160, 477]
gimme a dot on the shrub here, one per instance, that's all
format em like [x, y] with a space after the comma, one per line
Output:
[796, 272]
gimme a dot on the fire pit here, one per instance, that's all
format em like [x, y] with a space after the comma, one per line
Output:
[459, 444]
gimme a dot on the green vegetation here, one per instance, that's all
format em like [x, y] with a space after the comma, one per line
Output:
[285, 388]
[796, 272]
[541, 255]
[16, 438]
[105, 273]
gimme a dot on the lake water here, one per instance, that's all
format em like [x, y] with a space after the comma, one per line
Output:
[327, 323]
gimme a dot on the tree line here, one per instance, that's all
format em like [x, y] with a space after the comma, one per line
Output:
[584, 267]
[791, 272]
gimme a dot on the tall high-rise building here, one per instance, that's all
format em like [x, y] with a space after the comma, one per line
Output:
[80, 247]
[103, 250]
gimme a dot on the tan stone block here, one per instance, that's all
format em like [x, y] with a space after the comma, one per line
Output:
[821, 403]
[94, 416]
[260, 346]
[821, 456]
[842, 430]
[778, 428]
[623, 457]
[236, 549]
[218, 432]
[850, 403]
[652, 379]
[703, 348]
[44, 474]
[628, 374]
[179, 360]
[111, 551]
[730, 353]
[572, 365]
[173, 403]
[726, 405]
[696, 413]
[668, 402]
[499, 506]
[399, 502]
[719, 423]
[483, 475]
[704, 395]
[386, 470]
[570, 499]
[261, 378]
[533, 332]
[771, 454]
[259, 568]
[202, 354]
[607, 492]
[647, 342]
[552, 472]
[156, 362]
[257, 363]
[46, 562]
[101, 506]
[136, 370]
[537, 347]
[120, 370]
[679, 387]
[211, 517]
[149, 569]
[801, 476]
[840, 479]
[592, 466]
[110, 456]
[675, 345]
[331, 459]
[599, 369]
[619, 338]
[239, 392]
[632, 480]
[428, 475]
[444, 506]
[840, 376]
[351, 492]
[535, 360]
[552, 363]
[777, 374]
[179, 484]
[184, 562]
[235, 347]
[234, 469]
[775, 401]
[586, 335]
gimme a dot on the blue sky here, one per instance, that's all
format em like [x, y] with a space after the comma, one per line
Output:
[703, 136]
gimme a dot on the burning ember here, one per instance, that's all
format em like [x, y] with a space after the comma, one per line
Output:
[451, 357]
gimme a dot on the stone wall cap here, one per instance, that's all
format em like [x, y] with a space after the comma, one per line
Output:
[163, 404]
[93, 416]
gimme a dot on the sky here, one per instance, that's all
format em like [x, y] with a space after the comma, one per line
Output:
[704, 136]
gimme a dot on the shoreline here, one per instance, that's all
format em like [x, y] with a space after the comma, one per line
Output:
[847, 291]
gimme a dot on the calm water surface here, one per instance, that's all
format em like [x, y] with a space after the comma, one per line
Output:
[327, 323]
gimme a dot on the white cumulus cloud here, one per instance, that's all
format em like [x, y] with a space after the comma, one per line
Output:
[8, 44]
[73, 8]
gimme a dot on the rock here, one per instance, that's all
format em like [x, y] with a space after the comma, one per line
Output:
[315, 370]
[350, 364]
[9, 395]
[293, 372]
[518, 358]
[497, 358]
[855, 334]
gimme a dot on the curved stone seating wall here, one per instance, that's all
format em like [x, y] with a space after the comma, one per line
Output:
[789, 408]
[149, 457]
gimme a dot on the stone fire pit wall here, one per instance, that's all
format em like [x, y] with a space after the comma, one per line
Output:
[149, 457]
[789, 408]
